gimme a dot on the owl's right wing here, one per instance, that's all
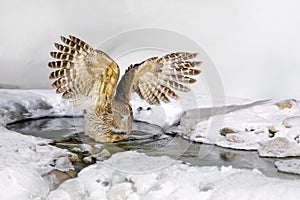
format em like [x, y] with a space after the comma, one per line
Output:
[84, 75]
[155, 78]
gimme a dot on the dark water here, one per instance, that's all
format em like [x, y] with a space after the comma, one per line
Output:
[150, 139]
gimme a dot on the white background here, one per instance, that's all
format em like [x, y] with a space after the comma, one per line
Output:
[255, 44]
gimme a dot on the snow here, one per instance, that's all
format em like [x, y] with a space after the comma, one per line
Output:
[250, 126]
[22, 182]
[165, 178]
[24, 159]
[289, 166]
[17, 105]
[271, 127]
[279, 147]
[168, 114]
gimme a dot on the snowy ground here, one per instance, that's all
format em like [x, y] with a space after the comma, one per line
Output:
[157, 178]
[271, 127]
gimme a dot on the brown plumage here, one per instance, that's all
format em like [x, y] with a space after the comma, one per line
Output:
[88, 77]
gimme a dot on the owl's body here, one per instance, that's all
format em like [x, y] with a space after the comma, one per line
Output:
[89, 79]
[114, 123]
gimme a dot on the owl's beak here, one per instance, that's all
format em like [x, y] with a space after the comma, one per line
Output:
[124, 121]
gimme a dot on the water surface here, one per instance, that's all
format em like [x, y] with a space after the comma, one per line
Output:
[150, 139]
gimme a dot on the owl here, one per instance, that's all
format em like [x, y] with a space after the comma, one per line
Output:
[88, 78]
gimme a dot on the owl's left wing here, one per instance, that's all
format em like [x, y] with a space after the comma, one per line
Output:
[84, 75]
[156, 78]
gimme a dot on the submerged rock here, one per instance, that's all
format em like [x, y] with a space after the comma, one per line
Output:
[88, 160]
[105, 153]
[56, 177]
[63, 164]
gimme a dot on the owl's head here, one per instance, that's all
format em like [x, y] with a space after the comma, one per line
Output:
[122, 116]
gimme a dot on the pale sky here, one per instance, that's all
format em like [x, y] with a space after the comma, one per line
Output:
[254, 44]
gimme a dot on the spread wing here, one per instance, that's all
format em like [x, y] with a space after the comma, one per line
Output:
[156, 79]
[85, 76]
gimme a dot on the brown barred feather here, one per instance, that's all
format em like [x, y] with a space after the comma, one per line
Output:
[176, 86]
[67, 87]
[140, 92]
[187, 71]
[158, 93]
[59, 82]
[68, 94]
[61, 64]
[179, 56]
[148, 95]
[152, 98]
[185, 55]
[186, 64]
[62, 56]
[169, 92]
[137, 90]
[87, 48]
[60, 73]
[181, 78]
[66, 49]
[72, 44]
[54, 74]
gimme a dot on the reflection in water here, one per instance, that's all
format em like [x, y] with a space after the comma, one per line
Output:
[145, 138]
[227, 156]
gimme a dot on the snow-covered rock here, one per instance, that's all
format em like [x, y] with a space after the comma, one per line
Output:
[289, 166]
[279, 147]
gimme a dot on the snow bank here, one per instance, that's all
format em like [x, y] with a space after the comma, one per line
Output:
[24, 159]
[17, 105]
[272, 127]
[165, 178]
[247, 125]
[22, 182]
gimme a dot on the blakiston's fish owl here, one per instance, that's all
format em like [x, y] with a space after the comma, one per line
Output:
[88, 77]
